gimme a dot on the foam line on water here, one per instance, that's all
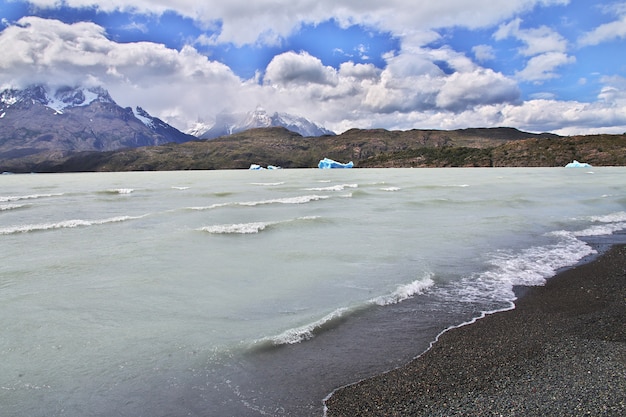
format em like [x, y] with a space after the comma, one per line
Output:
[11, 198]
[251, 227]
[286, 200]
[65, 224]
[308, 331]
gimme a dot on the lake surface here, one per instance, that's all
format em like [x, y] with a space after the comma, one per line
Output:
[248, 293]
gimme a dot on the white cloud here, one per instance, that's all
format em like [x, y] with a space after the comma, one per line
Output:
[411, 91]
[604, 33]
[484, 53]
[291, 68]
[545, 47]
[467, 89]
[537, 40]
[266, 21]
[543, 67]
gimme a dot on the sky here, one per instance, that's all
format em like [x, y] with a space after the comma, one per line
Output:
[537, 65]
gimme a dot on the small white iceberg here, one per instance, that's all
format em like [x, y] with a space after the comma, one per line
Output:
[576, 164]
[329, 163]
[256, 167]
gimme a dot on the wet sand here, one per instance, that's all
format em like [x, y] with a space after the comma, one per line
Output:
[560, 352]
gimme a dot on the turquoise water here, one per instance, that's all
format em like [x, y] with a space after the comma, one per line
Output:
[150, 293]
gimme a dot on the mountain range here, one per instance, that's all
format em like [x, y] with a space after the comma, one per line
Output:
[39, 123]
[231, 123]
[84, 129]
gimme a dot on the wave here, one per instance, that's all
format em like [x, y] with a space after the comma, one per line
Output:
[306, 332]
[119, 191]
[338, 187]
[249, 228]
[269, 184]
[404, 292]
[336, 317]
[390, 189]
[287, 200]
[6, 199]
[507, 269]
[65, 224]
[5, 207]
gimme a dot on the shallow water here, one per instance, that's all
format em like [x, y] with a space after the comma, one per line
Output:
[215, 293]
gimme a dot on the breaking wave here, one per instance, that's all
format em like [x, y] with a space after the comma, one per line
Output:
[119, 191]
[331, 320]
[5, 207]
[6, 199]
[532, 266]
[65, 224]
[287, 200]
[338, 187]
[249, 228]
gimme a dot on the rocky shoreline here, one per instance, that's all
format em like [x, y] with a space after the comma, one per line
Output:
[560, 352]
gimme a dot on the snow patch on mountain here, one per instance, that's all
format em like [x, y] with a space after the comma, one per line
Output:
[59, 100]
[144, 117]
[230, 123]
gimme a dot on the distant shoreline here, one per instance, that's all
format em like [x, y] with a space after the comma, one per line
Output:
[560, 352]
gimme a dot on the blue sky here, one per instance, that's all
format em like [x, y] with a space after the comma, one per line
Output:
[538, 65]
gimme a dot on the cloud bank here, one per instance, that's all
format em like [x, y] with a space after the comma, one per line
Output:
[423, 84]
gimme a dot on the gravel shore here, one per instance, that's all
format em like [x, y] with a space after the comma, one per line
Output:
[560, 352]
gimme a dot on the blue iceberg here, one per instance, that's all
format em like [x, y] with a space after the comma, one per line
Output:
[576, 164]
[329, 163]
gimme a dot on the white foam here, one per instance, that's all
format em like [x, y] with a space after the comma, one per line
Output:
[287, 200]
[531, 267]
[390, 189]
[248, 228]
[619, 216]
[338, 187]
[303, 333]
[238, 228]
[404, 292]
[4, 207]
[65, 224]
[4, 199]
[121, 191]
[269, 184]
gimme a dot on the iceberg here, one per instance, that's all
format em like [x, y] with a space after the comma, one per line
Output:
[576, 164]
[257, 167]
[329, 163]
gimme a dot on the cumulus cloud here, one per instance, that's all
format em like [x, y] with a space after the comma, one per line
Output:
[543, 67]
[247, 22]
[291, 68]
[607, 31]
[484, 53]
[419, 85]
[545, 48]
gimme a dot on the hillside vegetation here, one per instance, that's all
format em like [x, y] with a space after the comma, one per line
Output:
[495, 147]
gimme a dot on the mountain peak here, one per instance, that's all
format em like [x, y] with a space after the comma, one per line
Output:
[230, 123]
[57, 99]
[39, 120]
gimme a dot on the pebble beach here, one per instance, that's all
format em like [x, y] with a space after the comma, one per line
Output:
[560, 352]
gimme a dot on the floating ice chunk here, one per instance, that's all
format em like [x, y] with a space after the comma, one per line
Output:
[256, 167]
[329, 163]
[576, 164]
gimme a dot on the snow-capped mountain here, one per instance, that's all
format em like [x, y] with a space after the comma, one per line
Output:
[229, 123]
[41, 120]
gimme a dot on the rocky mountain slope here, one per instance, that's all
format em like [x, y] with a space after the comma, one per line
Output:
[231, 123]
[39, 124]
